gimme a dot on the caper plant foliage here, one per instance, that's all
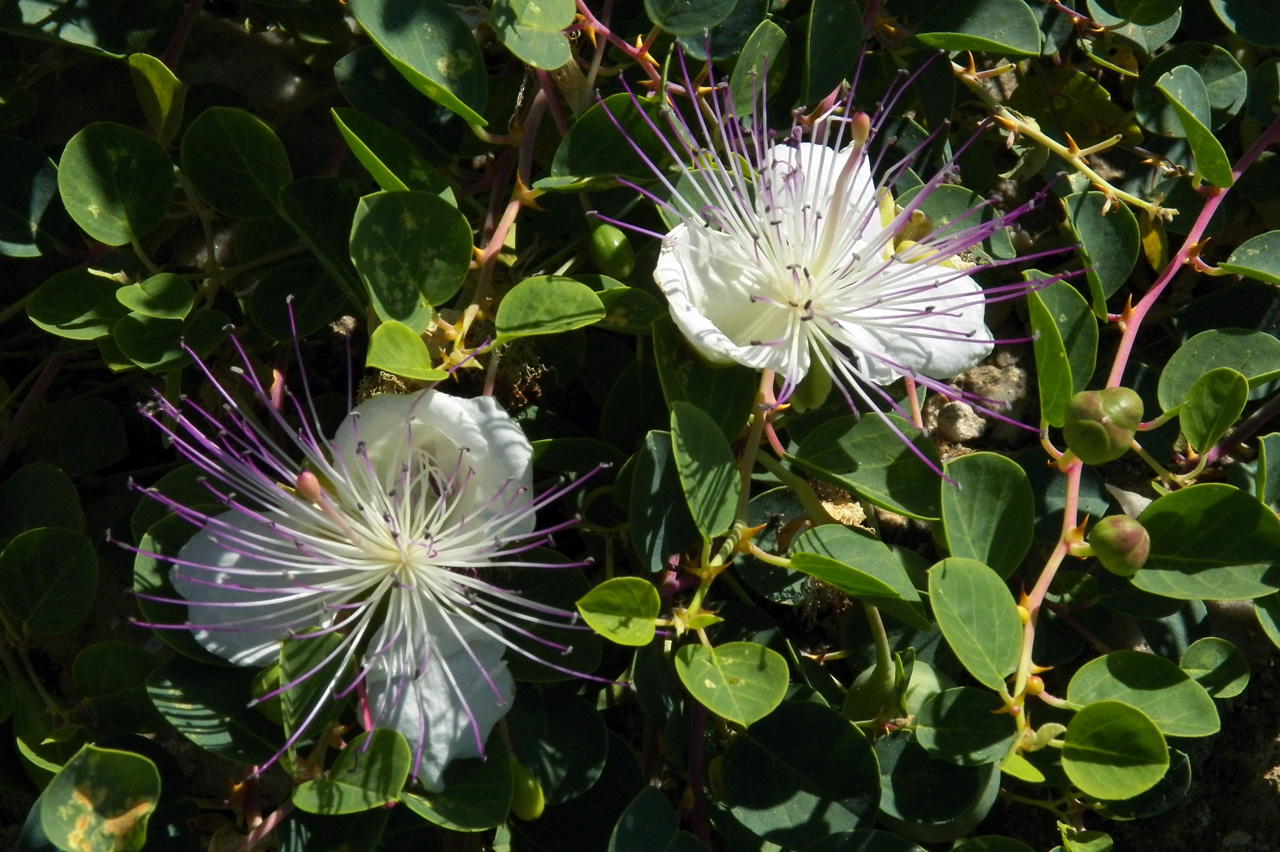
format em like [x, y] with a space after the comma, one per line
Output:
[631, 425]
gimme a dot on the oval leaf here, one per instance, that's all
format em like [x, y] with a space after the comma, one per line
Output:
[978, 618]
[869, 457]
[412, 250]
[547, 304]
[739, 681]
[797, 789]
[1217, 665]
[369, 773]
[115, 182]
[400, 350]
[1210, 542]
[966, 726]
[235, 161]
[1168, 696]
[1113, 751]
[432, 48]
[708, 471]
[622, 609]
[1212, 406]
[101, 801]
[989, 514]
[48, 578]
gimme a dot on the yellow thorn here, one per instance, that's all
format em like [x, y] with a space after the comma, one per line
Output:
[527, 197]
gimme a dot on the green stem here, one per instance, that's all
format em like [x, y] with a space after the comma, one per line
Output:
[801, 488]
[14, 309]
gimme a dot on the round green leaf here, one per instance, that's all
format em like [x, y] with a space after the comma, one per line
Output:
[868, 457]
[1109, 244]
[369, 773]
[1216, 665]
[412, 250]
[390, 158]
[1256, 354]
[294, 300]
[1186, 92]
[476, 795]
[321, 210]
[832, 26]
[560, 739]
[1168, 792]
[400, 350]
[1066, 344]
[1113, 751]
[116, 182]
[1226, 86]
[1267, 611]
[629, 310]
[1255, 21]
[113, 677]
[928, 800]
[101, 801]
[432, 48]
[1167, 695]
[830, 553]
[989, 514]
[1147, 38]
[533, 31]
[978, 618]
[801, 773]
[764, 57]
[684, 17]
[1212, 406]
[996, 26]
[739, 681]
[1147, 12]
[31, 214]
[157, 541]
[649, 825]
[707, 468]
[1257, 257]
[159, 345]
[76, 304]
[622, 609]
[164, 296]
[48, 577]
[660, 521]
[311, 661]
[208, 705]
[38, 495]
[160, 93]
[597, 152]
[547, 304]
[965, 725]
[1210, 542]
[235, 161]
[1263, 101]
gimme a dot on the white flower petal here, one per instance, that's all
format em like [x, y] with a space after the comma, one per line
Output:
[248, 633]
[710, 296]
[950, 338]
[495, 454]
[431, 709]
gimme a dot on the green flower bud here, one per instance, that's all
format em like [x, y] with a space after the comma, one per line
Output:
[1121, 544]
[813, 388]
[1100, 424]
[611, 251]
[527, 800]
